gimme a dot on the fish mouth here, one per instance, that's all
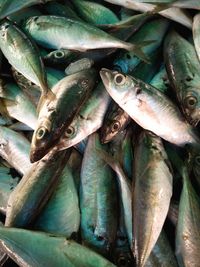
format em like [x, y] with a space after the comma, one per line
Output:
[105, 76]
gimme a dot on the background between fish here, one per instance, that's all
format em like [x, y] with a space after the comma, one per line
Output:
[115, 157]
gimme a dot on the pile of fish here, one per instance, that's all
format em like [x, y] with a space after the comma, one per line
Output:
[99, 133]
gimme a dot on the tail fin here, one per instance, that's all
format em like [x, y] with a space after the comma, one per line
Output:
[137, 49]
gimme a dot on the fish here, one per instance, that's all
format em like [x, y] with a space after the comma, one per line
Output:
[55, 116]
[23, 246]
[15, 149]
[74, 35]
[88, 120]
[147, 107]
[181, 55]
[34, 189]
[23, 55]
[187, 230]
[98, 199]
[152, 194]
[191, 4]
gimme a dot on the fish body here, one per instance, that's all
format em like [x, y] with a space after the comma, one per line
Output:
[152, 194]
[147, 106]
[182, 66]
[196, 31]
[71, 92]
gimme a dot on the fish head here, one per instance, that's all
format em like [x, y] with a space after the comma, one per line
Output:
[45, 134]
[31, 24]
[119, 85]
[191, 105]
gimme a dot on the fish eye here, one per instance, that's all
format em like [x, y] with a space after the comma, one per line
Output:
[197, 160]
[190, 101]
[41, 132]
[70, 131]
[59, 54]
[115, 126]
[119, 79]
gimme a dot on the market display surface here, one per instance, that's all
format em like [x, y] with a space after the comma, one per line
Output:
[99, 133]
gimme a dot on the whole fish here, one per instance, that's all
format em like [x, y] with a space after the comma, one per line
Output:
[23, 55]
[152, 194]
[15, 149]
[98, 199]
[88, 120]
[31, 248]
[55, 116]
[34, 190]
[150, 108]
[182, 66]
[61, 215]
[196, 31]
[187, 230]
[74, 35]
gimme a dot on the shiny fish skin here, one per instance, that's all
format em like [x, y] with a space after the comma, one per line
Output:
[147, 106]
[152, 194]
[15, 149]
[196, 33]
[187, 233]
[55, 116]
[47, 250]
[34, 190]
[182, 66]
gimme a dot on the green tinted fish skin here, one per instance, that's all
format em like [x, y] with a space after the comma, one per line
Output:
[88, 120]
[15, 149]
[57, 9]
[74, 35]
[7, 184]
[22, 15]
[182, 67]
[9, 7]
[175, 14]
[160, 81]
[94, 13]
[145, 104]
[74, 163]
[56, 115]
[153, 30]
[60, 56]
[29, 248]
[18, 105]
[187, 230]
[79, 65]
[61, 215]
[162, 254]
[22, 54]
[98, 199]
[152, 194]
[35, 189]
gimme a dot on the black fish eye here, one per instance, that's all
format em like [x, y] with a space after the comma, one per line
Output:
[119, 79]
[59, 54]
[115, 126]
[41, 132]
[190, 101]
[70, 131]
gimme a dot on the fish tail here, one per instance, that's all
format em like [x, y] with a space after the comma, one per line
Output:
[137, 50]
[43, 98]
